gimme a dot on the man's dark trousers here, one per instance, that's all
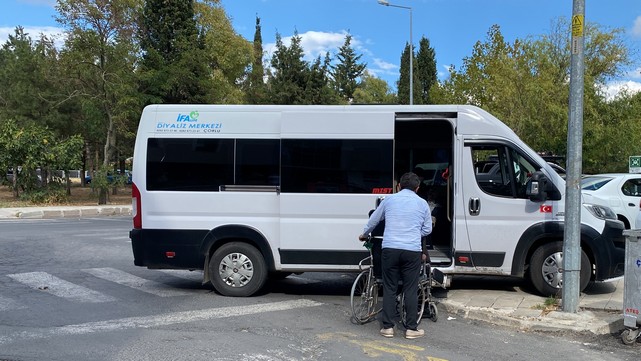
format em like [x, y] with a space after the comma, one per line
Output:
[400, 265]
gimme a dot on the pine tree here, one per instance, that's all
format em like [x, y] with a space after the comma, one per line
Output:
[290, 72]
[348, 71]
[426, 70]
[172, 70]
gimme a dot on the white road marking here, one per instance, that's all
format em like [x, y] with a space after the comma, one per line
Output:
[48, 283]
[139, 283]
[156, 321]
[9, 304]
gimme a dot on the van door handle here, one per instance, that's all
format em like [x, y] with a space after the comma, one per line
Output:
[475, 206]
[632, 204]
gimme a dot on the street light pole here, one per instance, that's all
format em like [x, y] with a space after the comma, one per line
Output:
[386, 3]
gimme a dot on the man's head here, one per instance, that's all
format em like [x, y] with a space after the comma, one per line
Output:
[409, 181]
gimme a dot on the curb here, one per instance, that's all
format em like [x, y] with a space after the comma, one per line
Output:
[555, 321]
[65, 212]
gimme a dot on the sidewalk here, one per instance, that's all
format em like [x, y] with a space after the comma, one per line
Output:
[600, 307]
[500, 301]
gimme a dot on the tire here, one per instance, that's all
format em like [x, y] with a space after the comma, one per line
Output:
[629, 337]
[433, 312]
[237, 270]
[545, 266]
[364, 298]
[422, 298]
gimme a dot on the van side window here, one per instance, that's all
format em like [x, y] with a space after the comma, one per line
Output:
[336, 165]
[509, 171]
[189, 164]
[257, 162]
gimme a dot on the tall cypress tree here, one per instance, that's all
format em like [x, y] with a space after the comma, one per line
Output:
[347, 72]
[172, 68]
[256, 89]
[404, 78]
[426, 70]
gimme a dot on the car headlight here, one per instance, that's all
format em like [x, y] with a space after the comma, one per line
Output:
[600, 212]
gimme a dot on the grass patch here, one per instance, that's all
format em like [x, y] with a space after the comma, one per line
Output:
[551, 304]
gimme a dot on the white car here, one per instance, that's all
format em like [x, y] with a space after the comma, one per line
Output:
[619, 191]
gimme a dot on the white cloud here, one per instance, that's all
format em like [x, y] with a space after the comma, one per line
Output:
[636, 28]
[613, 89]
[315, 43]
[34, 32]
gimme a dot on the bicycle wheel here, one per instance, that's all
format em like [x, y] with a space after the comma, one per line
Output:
[422, 298]
[364, 298]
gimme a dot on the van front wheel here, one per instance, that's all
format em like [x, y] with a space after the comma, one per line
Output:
[237, 269]
[546, 266]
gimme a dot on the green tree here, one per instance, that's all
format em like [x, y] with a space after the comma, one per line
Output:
[29, 76]
[100, 54]
[426, 70]
[227, 55]
[318, 89]
[290, 74]
[347, 72]
[373, 90]
[525, 84]
[172, 69]
[256, 88]
[404, 77]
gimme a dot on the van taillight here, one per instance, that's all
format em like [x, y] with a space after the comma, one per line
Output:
[136, 207]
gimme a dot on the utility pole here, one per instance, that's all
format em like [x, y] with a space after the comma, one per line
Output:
[386, 3]
[572, 236]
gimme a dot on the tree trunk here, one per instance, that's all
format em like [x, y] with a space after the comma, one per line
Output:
[103, 196]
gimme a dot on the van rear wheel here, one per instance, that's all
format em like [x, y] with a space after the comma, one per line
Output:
[237, 269]
[546, 265]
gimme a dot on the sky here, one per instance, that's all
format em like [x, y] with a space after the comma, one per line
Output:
[379, 33]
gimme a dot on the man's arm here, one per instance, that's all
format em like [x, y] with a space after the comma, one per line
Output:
[374, 219]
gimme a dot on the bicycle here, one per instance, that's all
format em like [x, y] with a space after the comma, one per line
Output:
[365, 292]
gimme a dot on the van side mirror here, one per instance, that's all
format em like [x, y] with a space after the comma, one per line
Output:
[536, 187]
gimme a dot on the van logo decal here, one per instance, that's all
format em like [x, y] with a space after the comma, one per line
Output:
[545, 209]
[382, 190]
[189, 123]
[192, 117]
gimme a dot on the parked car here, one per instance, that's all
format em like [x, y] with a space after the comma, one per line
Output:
[110, 177]
[619, 191]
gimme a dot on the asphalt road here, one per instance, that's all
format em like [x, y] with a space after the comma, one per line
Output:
[69, 291]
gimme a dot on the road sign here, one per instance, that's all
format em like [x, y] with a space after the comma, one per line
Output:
[635, 164]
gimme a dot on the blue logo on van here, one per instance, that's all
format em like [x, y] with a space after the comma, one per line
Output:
[192, 117]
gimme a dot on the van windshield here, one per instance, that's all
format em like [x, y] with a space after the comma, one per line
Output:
[594, 183]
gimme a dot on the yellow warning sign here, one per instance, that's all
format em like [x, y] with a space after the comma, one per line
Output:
[577, 25]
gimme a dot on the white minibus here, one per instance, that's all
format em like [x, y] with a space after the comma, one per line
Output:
[247, 192]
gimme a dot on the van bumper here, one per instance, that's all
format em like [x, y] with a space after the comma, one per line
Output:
[609, 251]
[167, 249]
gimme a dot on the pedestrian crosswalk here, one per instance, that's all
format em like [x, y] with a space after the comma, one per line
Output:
[55, 286]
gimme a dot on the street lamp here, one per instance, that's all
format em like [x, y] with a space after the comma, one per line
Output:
[386, 3]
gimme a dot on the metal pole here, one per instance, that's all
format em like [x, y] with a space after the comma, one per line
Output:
[386, 3]
[572, 237]
[411, 63]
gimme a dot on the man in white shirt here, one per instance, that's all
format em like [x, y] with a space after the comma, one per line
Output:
[407, 219]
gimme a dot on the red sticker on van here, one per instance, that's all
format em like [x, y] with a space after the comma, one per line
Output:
[545, 209]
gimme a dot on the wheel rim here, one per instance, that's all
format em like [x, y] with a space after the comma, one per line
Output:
[551, 270]
[236, 270]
